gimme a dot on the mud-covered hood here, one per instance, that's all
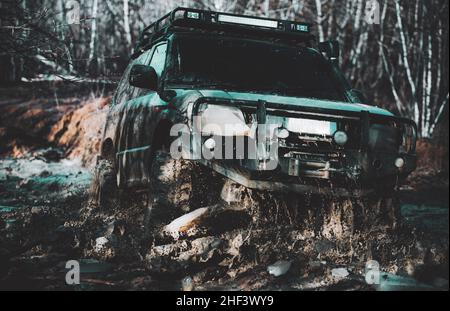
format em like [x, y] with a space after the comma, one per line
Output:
[288, 100]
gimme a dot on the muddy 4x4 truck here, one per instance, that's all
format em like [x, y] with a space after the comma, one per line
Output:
[194, 66]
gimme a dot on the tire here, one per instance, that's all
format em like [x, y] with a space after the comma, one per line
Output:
[103, 191]
[385, 209]
[170, 189]
[177, 187]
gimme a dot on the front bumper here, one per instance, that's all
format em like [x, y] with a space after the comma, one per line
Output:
[345, 171]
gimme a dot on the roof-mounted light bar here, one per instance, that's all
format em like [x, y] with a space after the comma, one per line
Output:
[241, 20]
[210, 17]
[204, 19]
[262, 22]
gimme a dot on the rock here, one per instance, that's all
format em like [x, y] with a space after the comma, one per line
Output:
[235, 245]
[231, 192]
[45, 173]
[315, 264]
[100, 243]
[202, 249]
[186, 224]
[178, 255]
[106, 248]
[187, 284]
[339, 272]
[36, 210]
[49, 154]
[279, 268]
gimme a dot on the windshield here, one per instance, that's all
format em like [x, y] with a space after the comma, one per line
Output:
[252, 66]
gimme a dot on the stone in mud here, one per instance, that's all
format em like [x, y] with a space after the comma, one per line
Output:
[105, 247]
[201, 250]
[187, 284]
[231, 192]
[49, 154]
[179, 255]
[279, 268]
[100, 243]
[339, 273]
[186, 225]
[235, 245]
[37, 210]
[45, 173]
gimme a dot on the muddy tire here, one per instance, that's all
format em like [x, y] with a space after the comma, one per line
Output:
[177, 187]
[103, 189]
[384, 210]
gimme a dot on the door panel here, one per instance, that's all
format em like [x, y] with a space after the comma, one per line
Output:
[137, 125]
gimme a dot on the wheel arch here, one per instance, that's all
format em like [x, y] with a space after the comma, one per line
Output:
[107, 150]
[161, 136]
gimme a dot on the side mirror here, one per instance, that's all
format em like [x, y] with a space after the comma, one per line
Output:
[330, 48]
[144, 77]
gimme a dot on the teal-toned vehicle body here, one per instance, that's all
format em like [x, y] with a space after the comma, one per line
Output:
[140, 121]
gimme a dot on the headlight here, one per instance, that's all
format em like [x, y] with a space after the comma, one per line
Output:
[340, 138]
[399, 163]
[210, 143]
[223, 121]
[282, 133]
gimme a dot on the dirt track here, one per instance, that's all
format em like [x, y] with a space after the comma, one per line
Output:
[45, 220]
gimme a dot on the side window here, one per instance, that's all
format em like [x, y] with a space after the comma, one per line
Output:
[123, 85]
[159, 58]
[144, 58]
[154, 57]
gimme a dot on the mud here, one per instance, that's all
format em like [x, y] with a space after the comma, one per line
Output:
[46, 219]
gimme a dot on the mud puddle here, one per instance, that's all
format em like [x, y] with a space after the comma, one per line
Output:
[45, 220]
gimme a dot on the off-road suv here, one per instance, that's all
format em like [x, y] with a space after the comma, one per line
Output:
[195, 72]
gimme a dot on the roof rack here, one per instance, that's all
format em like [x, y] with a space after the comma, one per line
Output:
[195, 18]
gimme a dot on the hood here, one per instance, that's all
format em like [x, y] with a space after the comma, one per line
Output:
[289, 100]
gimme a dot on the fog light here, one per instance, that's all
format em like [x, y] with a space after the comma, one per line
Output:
[340, 138]
[282, 133]
[399, 162]
[210, 143]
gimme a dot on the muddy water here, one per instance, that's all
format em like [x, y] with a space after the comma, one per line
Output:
[426, 210]
[42, 202]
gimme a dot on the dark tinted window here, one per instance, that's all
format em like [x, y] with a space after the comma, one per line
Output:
[253, 66]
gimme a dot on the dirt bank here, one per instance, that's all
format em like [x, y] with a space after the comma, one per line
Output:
[71, 125]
